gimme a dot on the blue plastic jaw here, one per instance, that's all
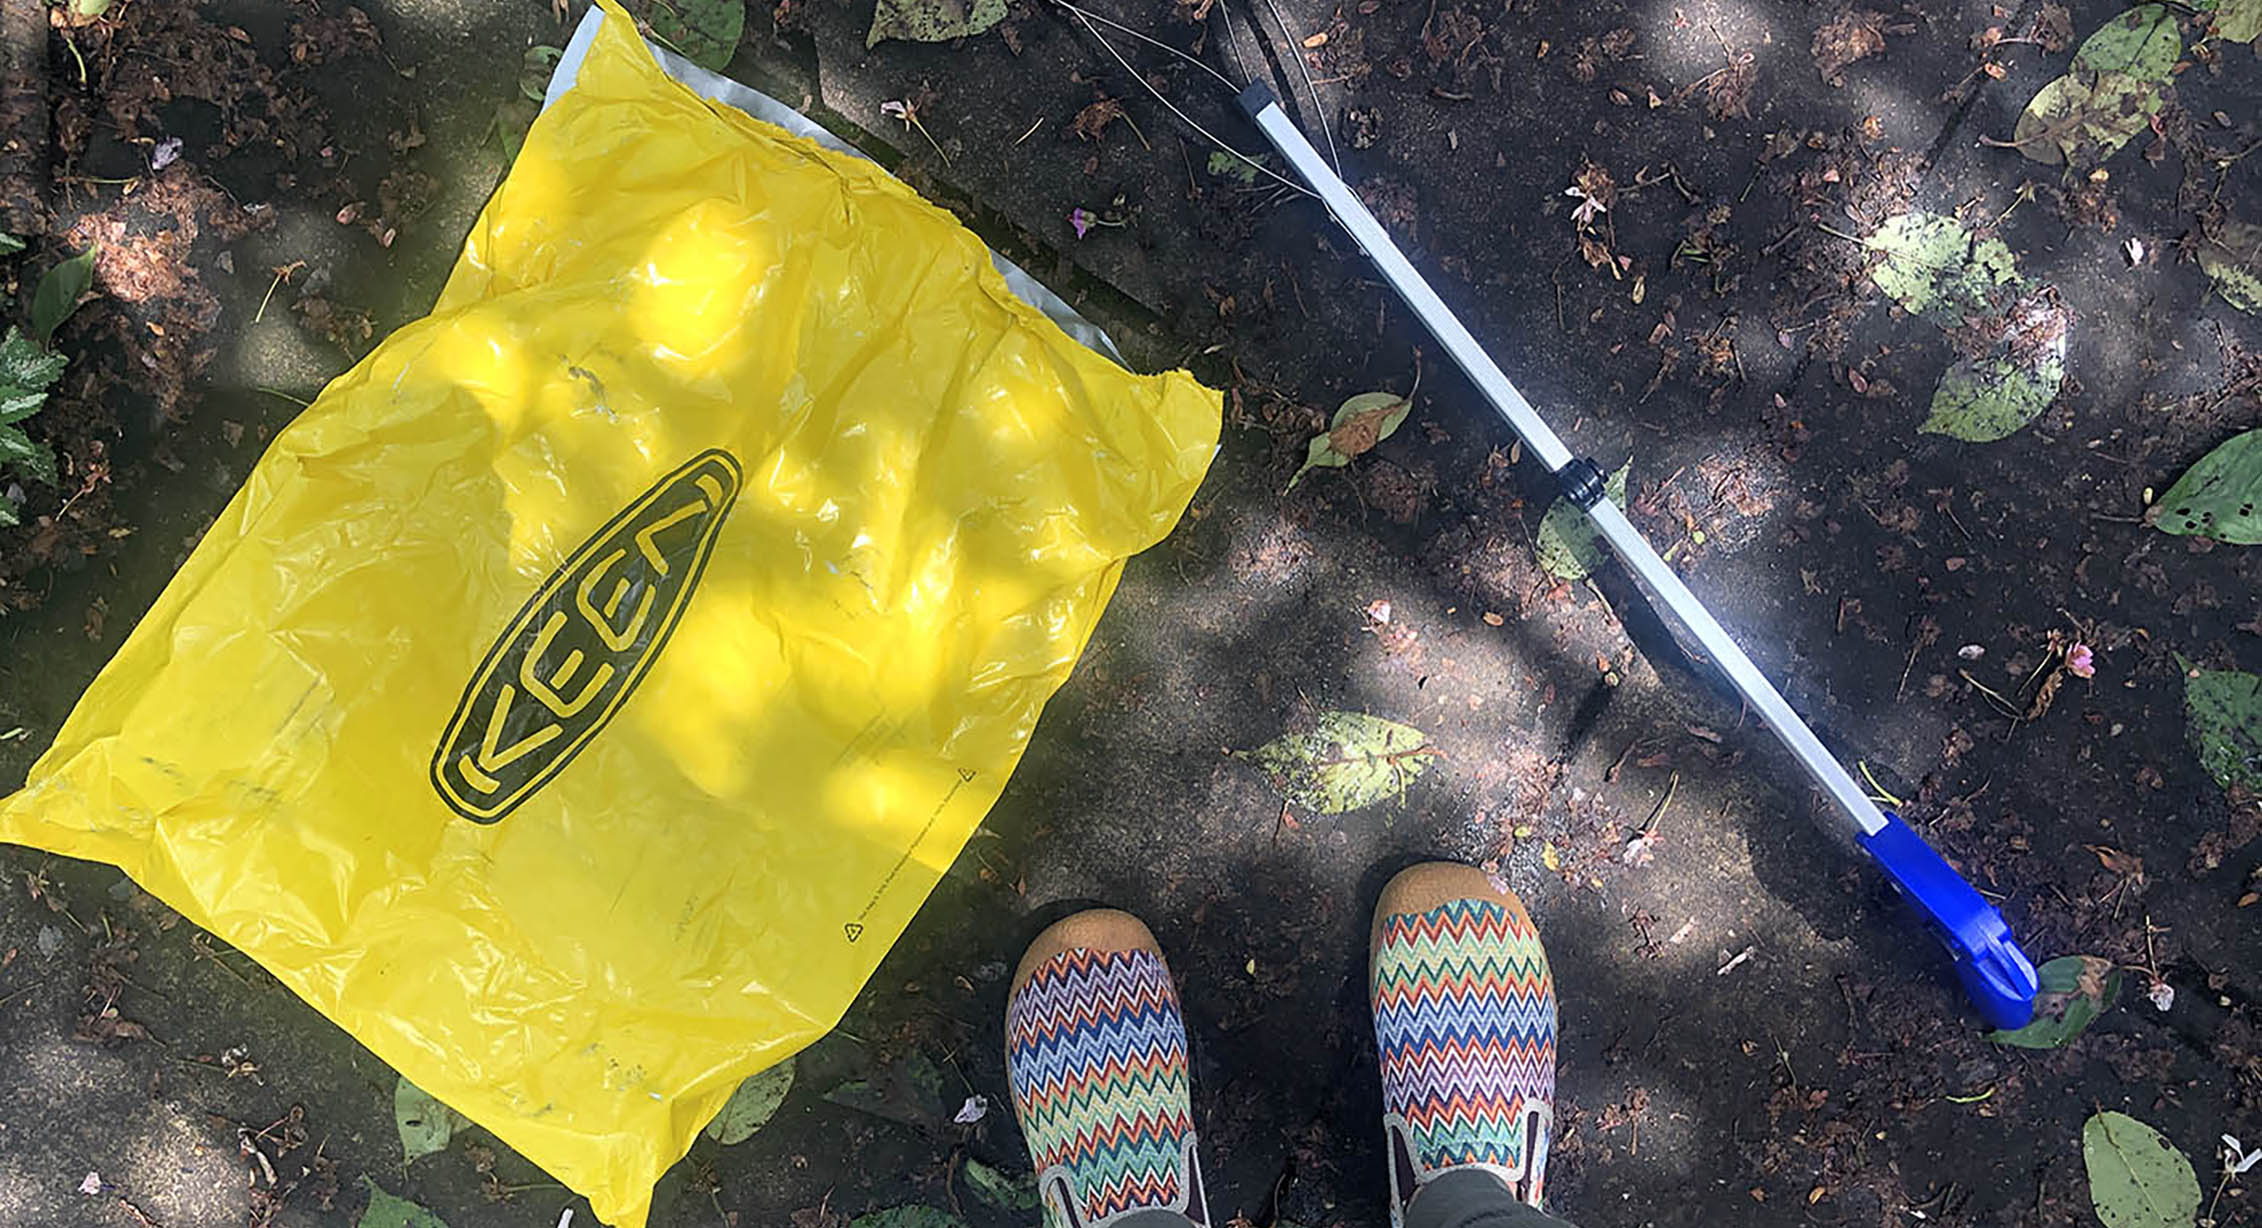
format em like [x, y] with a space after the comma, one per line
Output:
[1995, 972]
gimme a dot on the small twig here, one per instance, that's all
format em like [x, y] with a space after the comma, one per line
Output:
[2009, 709]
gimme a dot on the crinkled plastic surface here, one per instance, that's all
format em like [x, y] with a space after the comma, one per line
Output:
[580, 697]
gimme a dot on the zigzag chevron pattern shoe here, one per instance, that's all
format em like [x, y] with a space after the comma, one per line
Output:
[1464, 1018]
[1096, 1057]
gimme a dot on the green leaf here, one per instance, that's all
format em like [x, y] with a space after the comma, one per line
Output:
[10, 244]
[59, 294]
[1346, 761]
[91, 8]
[535, 68]
[752, 1105]
[1568, 545]
[24, 364]
[2142, 43]
[424, 1123]
[907, 1217]
[2233, 257]
[26, 455]
[2238, 21]
[2076, 989]
[1359, 424]
[2082, 124]
[1936, 269]
[1000, 1191]
[2218, 498]
[386, 1211]
[705, 31]
[932, 21]
[1983, 400]
[2223, 718]
[2137, 1179]
[1234, 166]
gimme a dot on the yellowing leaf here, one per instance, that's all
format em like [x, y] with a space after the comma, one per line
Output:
[1549, 857]
[2238, 21]
[2082, 124]
[2233, 257]
[1935, 268]
[1347, 760]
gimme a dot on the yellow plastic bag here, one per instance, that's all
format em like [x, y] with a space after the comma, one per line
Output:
[581, 696]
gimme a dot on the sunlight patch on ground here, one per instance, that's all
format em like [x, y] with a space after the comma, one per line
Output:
[1686, 39]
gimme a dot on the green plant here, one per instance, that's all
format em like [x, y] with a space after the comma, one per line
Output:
[29, 367]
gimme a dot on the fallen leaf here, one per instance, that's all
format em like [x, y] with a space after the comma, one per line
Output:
[1233, 166]
[2080, 123]
[2142, 42]
[751, 1105]
[2233, 258]
[2076, 989]
[907, 1217]
[2238, 21]
[705, 31]
[1359, 424]
[1983, 399]
[1000, 1191]
[386, 1211]
[2137, 1179]
[59, 293]
[2218, 498]
[932, 21]
[2223, 719]
[1936, 269]
[1567, 542]
[1346, 761]
[1851, 36]
[425, 1124]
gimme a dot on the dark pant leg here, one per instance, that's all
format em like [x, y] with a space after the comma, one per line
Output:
[1471, 1198]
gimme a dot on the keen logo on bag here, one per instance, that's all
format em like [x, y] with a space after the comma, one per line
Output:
[578, 648]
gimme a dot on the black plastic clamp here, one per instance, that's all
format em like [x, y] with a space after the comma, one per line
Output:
[1581, 481]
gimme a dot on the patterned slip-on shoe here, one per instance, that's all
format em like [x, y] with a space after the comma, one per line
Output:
[1095, 1052]
[1464, 1019]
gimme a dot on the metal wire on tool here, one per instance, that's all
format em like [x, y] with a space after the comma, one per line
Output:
[1090, 26]
[1296, 52]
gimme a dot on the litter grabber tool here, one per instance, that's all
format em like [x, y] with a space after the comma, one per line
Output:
[1996, 973]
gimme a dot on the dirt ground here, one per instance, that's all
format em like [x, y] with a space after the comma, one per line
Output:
[1754, 1029]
